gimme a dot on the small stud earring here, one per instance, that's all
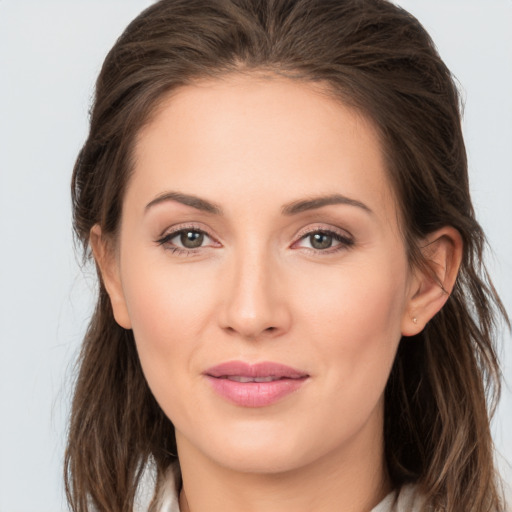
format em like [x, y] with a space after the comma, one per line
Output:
[415, 320]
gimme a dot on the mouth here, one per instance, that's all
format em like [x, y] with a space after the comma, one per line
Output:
[240, 378]
[257, 385]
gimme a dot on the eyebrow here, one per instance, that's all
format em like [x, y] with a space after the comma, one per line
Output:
[317, 202]
[188, 200]
[292, 208]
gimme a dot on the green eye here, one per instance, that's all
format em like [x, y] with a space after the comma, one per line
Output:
[186, 239]
[191, 239]
[320, 240]
[325, 241]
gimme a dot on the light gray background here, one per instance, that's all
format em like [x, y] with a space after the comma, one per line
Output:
[50, 54]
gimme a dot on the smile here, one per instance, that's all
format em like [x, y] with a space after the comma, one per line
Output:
[239, 378]
[256, 385]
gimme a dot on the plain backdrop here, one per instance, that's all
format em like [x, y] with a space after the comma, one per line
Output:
[50, 54]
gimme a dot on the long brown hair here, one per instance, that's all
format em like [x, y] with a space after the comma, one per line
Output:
[377, 58]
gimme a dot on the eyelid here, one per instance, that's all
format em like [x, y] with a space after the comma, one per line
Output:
[323, 228]
[173, 231]
[344, 238]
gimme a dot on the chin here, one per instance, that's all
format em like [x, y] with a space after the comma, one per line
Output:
[263, 448]
[265, 461]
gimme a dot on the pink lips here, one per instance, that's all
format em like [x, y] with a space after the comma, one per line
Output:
[255, 385]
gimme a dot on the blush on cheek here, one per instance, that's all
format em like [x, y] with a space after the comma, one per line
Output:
[362, 325]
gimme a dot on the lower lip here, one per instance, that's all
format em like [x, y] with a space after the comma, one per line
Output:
[255, 394]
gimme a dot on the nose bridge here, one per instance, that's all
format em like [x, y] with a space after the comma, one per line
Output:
[254, 304]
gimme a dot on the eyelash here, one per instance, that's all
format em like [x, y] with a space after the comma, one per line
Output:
[181, 251]
[345, 242]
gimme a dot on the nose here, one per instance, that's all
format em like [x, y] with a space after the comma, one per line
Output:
[254, 304]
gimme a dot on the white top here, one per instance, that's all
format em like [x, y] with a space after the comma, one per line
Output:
[407, 500]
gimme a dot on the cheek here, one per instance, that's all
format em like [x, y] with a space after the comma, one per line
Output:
[356, 325]
[355, 299]
[168, 307]
[355, 328]
[168, 314]
[164, 298]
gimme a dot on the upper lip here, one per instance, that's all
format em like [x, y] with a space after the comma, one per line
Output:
[258, 370]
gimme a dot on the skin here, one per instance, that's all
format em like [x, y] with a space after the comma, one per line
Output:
[259, 289]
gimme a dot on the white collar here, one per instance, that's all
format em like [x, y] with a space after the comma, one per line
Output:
[407, 498]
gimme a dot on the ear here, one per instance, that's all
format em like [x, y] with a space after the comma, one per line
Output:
[432, 285]
[108, 264]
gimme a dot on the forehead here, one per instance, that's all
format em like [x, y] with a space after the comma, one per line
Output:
[263, 136]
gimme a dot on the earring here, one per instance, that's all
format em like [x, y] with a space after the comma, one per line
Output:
[415, 320]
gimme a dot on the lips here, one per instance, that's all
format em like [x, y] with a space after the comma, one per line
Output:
[239, 378]
[257, 385]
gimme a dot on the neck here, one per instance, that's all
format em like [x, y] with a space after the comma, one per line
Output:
[353, 482]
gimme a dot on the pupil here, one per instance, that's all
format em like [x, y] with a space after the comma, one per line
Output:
[192, 239]
[321, 241]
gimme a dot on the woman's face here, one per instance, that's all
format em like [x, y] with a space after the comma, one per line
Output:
[261, 268]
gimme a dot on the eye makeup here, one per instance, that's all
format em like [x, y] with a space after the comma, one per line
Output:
[324, 241]
[187, 240]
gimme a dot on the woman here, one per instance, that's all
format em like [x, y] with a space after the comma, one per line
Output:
[293, 311]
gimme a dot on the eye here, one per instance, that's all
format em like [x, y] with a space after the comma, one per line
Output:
[320, 240]
[325, 241]
[186, 239]
[190, 239]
